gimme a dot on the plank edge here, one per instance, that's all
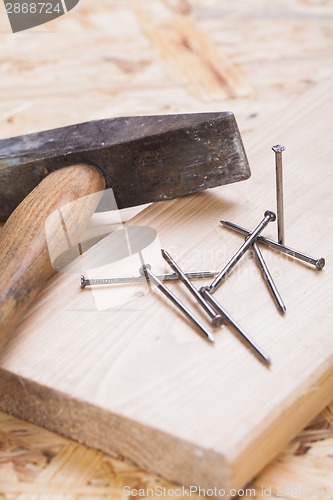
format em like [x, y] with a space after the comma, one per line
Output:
[170, 457]
[291, 420]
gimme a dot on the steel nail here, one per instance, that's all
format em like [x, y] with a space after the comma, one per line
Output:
[268, 217]
[268, 278]
[278, 150]
[317, 263]
[170, 295]
[257, 349]
[217, 319]
[138, 279]
[144, 267]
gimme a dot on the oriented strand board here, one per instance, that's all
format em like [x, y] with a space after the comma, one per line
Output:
[35, 461]
[125, 373]
[111, 58]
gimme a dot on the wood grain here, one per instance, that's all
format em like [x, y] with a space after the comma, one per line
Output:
[139, 380]
[62, 203]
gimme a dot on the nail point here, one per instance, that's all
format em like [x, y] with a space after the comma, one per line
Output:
[268, 362]
[211, 338]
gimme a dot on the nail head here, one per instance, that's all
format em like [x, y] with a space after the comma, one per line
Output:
[218, 321]
[271, 214]
[320, 264]
[278, 148]
[146, 266]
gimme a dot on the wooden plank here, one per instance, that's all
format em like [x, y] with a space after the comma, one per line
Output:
[135, 379]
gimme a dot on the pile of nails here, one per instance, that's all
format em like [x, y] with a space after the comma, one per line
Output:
[204, 295]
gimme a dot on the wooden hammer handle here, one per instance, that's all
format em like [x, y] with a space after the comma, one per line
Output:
[25, 264]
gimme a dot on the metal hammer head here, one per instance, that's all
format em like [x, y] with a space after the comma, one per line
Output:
[143, 159]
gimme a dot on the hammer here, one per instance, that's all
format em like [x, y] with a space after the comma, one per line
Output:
[143, 159]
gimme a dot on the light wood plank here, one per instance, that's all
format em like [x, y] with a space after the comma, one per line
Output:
[135, 379]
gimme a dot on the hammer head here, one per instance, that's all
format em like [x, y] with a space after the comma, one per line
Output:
[143, 159]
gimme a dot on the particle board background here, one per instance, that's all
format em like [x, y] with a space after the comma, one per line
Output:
[174, 57]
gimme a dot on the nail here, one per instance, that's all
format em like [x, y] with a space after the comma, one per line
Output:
[144, 267]
[217, 319]
[137, 279]
[268, 278]
[317, 263]
[179, 304]
[257, 349]
[268, 217]
[278, 149]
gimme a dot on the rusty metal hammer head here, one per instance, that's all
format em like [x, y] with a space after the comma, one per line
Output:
[143, 159]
